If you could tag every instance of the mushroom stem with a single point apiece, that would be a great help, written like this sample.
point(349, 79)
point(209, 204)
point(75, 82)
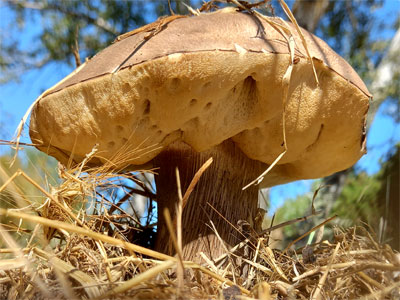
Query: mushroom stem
point(220, 186)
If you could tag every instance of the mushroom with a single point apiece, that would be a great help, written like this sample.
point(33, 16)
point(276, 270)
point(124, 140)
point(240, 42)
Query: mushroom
point(179, 92)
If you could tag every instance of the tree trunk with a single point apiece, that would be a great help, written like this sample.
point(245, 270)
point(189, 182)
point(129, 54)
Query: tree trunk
point(220, 186)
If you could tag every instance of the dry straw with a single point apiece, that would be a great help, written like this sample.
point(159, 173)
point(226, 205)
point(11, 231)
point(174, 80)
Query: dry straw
point(354, 265)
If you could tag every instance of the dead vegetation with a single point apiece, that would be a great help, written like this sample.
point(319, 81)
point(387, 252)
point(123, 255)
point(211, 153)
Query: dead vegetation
point(58, 250)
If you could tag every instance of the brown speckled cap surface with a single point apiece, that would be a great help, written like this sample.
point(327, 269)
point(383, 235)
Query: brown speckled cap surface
point(210, 32)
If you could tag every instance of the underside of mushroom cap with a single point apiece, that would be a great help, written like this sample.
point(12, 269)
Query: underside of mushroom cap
point(204, 80)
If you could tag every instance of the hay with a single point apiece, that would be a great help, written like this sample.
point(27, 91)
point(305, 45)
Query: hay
point(80, 259)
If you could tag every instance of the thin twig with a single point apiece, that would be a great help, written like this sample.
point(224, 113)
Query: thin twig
point(317, 292)
point(170, 227)
point(75, 47)
point(307, 233)
point(179, 208)
point(85, 232)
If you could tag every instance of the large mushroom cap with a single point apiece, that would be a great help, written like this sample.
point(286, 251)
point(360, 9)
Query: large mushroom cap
point(204, 80)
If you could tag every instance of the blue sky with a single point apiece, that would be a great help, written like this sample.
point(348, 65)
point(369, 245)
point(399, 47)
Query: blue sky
point(16, 97)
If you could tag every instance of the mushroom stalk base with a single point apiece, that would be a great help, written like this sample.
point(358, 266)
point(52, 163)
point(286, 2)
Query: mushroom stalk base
point(219, 187)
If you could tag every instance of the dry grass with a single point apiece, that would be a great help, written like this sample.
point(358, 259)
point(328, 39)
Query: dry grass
point(71, 254)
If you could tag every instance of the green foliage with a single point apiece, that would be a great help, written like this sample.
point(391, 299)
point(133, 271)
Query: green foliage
point(67, 26)
point(21, 194)
point(373, 200)
point(92, 25)
point(388, 200)
point(364, 199)
point(38, 166)
point(292, 209)
point(358, 200)
point(347, 26)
